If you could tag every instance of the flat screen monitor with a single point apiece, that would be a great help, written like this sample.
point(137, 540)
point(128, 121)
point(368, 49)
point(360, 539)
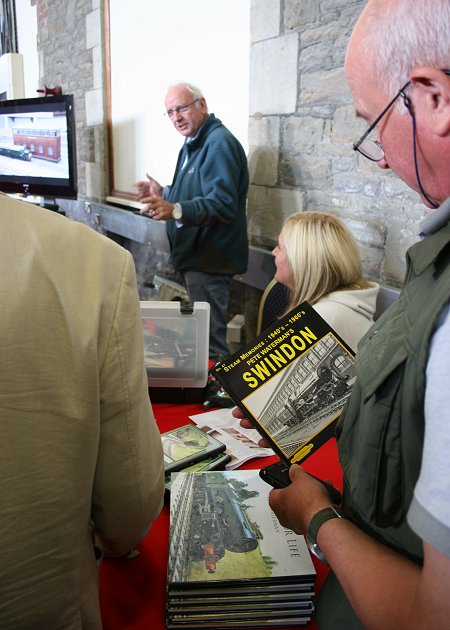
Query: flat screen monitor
point(38, 147)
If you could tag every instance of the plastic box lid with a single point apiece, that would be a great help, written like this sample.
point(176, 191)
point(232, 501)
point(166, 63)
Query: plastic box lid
point(176, 343)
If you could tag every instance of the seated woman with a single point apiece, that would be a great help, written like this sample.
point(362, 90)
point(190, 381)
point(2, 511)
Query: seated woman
point(318, 259)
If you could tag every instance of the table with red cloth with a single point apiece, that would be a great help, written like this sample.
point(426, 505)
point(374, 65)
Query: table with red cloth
point(133, 590)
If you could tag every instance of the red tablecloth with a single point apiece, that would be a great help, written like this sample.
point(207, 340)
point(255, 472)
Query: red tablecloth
point(132, 591)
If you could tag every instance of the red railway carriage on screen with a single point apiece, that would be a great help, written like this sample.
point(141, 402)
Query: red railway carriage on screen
point(43, 143)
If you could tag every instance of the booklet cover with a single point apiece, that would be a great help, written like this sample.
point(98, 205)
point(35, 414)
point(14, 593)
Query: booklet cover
point(222, 531)
point(187, 445)
point(241, 444)
point(291, 382)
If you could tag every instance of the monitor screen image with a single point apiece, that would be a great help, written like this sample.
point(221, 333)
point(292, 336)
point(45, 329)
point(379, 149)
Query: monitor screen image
point(38, 147)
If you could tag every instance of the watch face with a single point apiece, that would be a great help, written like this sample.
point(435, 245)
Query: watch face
point(176, 212)
point(316, 550)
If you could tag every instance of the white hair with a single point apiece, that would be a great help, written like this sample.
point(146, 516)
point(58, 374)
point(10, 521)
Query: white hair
point(196, 91)
point(193, 89)
point(403, 34)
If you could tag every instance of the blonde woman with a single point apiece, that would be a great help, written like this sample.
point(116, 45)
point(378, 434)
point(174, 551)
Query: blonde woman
point(318, 259)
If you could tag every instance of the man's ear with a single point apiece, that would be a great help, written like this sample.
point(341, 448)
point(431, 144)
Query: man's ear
point(434, 87)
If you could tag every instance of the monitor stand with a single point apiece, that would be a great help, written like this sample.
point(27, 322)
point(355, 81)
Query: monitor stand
point(50, 204)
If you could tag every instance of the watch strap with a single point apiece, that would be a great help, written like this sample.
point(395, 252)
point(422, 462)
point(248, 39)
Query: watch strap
point(321, 517)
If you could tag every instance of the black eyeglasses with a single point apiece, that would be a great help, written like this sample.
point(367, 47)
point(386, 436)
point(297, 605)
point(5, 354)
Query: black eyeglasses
point(372, 149)
point(181, 109)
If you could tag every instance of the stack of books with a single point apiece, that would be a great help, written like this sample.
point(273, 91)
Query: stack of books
point(231, 564)
point(190, 448)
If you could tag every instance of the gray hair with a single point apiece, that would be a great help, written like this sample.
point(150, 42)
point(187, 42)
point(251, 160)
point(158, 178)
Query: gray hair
point(193, 89)
point(196, 91)
point(403, 34)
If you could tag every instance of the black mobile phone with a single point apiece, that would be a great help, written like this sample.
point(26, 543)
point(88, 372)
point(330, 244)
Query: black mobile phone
point(277, 475)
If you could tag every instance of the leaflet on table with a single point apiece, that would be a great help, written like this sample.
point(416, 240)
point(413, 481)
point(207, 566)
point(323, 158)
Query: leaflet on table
point(241, 444)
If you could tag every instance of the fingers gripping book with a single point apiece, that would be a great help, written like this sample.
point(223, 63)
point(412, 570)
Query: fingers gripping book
point(291, 382)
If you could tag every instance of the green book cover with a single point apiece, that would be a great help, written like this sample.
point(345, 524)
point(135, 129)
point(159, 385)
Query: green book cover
point(222, 531)
point(187, 445)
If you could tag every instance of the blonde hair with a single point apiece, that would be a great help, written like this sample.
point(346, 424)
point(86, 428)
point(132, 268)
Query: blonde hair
point(322, 256)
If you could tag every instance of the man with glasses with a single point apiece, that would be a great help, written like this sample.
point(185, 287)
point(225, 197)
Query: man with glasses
point(388, 545)
point(204, 208)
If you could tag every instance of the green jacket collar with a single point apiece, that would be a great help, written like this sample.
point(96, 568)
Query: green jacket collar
point(435, 229)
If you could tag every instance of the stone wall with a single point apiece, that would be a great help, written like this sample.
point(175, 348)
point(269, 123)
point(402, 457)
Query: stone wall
point(301, 127)
point(70, 49)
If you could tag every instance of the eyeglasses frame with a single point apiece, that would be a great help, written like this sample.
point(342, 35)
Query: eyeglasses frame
point(407, 102)
point(372, 126)
point(181, 108)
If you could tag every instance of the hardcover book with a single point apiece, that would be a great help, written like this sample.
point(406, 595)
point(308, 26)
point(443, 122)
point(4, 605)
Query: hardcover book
point(187, 445)
point(291, 382)
point(230, 561)
point(274, 622)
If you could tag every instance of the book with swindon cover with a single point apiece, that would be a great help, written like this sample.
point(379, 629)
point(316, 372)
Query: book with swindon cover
point(291, 382)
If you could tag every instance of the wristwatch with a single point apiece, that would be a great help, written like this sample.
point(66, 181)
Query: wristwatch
point(177, 211)
point(321, 517)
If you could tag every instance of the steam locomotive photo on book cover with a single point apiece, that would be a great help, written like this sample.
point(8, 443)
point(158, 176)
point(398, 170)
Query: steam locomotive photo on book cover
point(222, 530)
point(230, 561)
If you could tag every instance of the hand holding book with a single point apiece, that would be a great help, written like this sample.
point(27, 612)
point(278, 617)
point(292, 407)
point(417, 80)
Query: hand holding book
point(291, 382)
point(246, 424)
point(277, 475)
point(296, 504)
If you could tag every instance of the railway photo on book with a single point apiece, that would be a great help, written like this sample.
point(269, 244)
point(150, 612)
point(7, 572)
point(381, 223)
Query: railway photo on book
point(227, 544)
point(306, 397)
point(221, 528)
point(292, 382)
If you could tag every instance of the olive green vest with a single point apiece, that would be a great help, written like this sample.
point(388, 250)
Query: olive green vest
point(380, 435)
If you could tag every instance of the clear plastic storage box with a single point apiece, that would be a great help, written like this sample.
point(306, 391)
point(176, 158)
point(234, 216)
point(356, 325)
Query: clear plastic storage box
point(176, 344)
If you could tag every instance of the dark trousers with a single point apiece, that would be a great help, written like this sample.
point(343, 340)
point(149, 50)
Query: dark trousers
point(214, 289)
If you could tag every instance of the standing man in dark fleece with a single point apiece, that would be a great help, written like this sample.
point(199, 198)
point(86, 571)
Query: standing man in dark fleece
point(205, 207)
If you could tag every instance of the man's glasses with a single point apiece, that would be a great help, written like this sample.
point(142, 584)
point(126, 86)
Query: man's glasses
point(372, 149)
point(181, 109)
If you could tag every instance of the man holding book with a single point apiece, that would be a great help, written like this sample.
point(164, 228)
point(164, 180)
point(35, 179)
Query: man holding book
point(388, 545)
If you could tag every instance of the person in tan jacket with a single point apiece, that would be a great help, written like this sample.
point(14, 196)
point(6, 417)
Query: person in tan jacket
point(80, 452)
